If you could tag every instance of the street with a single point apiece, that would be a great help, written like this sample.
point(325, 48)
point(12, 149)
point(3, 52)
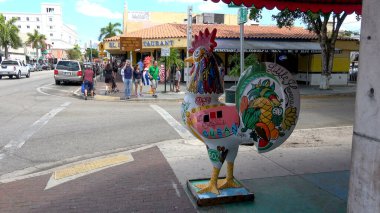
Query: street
point(43, 126)
point(86, 128)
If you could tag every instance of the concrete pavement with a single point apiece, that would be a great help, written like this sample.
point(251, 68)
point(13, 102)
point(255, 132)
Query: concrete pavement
point(106, 154)
point(313, 178)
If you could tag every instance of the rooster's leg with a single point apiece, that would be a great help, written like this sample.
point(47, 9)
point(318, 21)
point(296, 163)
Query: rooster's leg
point(228, 182)
point(212, 185)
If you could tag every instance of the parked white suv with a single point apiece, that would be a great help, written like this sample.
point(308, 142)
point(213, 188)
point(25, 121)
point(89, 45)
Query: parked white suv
point(15, 68)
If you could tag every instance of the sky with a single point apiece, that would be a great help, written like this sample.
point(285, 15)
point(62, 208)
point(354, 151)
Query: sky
point(88, 16)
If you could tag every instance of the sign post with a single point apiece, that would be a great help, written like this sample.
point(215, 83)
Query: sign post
point(189, 38)
point(242, 18)
point(165, 52)
point(130, 44)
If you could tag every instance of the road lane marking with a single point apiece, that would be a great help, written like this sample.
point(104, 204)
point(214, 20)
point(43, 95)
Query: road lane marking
point(46, 87)
point(60, 90)
point(181, 130)
point(87, 167)
point(176, 189)
point(15, 144)
point(40, 91)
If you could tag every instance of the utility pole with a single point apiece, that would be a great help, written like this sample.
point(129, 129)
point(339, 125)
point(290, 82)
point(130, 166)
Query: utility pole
point(90, 51)
point(189, 38)
point(364, 193)
point(165, 72)
point(242, 18)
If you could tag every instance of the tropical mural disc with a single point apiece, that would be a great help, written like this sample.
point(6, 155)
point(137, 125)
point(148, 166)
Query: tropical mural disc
point(268, 103)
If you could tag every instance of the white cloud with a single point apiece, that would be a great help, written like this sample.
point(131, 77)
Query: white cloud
point(209, 6)
point(90, 8)
point(350, 23)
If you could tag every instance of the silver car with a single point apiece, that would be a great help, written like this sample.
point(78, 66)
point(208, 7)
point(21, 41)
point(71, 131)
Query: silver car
point(32, 67)
point(68, 71)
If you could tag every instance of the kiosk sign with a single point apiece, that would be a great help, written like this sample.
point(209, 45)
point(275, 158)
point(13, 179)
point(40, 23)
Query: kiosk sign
point(130, 43)
point(165, 51)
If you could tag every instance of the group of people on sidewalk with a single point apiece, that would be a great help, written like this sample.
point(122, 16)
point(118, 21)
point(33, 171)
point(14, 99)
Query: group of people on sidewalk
point(139, 77)
point(135, 76)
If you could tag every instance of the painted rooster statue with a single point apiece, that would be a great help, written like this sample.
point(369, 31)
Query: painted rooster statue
point(265, 114)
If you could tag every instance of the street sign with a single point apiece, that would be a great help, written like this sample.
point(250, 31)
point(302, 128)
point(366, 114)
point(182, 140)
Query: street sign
point(242, 15)
point(130, 43)
point(101, 47)
point(165, 51)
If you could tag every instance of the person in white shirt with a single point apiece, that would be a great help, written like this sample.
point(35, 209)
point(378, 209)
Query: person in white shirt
point(177, 79)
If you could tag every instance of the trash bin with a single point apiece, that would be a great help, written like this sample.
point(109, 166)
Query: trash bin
point(230, 94)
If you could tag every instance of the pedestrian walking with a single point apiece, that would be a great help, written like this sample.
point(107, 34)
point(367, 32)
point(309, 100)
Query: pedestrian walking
point(153, 75)
point(128, 72)
point(137, 77)
point(141, 65)
point(177, 80)
point(222, 72)
point(122, 72)
point(108, 77)
point(88, 81)
point(145, 77)
point(114, 68)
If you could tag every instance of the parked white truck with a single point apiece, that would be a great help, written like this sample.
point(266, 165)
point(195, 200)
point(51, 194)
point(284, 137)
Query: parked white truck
point(15, 68)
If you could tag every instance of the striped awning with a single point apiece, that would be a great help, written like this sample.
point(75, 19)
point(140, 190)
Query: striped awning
point(255, 46)
point(325, 6)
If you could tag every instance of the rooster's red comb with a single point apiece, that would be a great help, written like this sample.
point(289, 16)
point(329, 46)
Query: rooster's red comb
point(205, 39)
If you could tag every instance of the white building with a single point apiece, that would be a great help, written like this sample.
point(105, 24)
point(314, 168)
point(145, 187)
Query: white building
point(48, 22)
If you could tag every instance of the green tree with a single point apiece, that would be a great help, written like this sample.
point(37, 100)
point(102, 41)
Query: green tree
point(74, 53)
point(173, 59)
point(9, 34)
point(348, 33)
point(112, 29)
point(234, 60)
point(95, 53)
point(317, 23)
point(37, 41)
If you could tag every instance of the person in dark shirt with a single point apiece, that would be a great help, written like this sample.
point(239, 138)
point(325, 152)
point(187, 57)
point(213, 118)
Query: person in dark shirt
point(128, 74)
point(137, 76)
point(108, 77)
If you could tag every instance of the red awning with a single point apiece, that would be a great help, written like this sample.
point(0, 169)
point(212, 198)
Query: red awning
point(325, 6)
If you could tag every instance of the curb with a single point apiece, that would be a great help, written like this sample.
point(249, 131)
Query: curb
point(115, 99)
point(106, 98)
point(350, 94)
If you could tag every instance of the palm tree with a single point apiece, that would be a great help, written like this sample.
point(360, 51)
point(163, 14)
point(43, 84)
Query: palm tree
point(37, 41)
point(9, 34)
point(109, 31)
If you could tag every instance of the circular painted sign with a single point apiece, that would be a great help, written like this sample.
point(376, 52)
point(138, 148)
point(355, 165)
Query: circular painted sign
point(268, 103)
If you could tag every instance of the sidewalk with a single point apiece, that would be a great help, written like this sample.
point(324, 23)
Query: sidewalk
point(305, 91)
point(310, 178)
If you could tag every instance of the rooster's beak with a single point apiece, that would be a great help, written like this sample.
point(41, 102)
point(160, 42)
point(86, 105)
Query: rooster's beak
point(189, 59)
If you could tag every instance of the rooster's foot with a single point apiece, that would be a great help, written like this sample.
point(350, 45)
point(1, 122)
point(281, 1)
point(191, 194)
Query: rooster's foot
point(204, 188)
point(228, 183)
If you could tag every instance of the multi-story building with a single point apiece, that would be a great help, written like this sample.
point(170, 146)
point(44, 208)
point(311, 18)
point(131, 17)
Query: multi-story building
point(138, 20)
point(49, 22)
